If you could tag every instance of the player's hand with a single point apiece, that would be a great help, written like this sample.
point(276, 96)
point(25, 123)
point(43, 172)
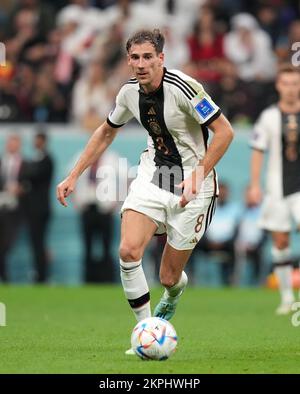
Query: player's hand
point(254, 194)
point(191, 186)
point(64, 189)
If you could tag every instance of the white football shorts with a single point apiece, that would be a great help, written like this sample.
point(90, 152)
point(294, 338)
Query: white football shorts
point(184, 226)
point(279, 214)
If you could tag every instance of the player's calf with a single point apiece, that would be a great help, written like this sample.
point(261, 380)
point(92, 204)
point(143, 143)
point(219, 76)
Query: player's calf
point(167, 306)
point(136, 288)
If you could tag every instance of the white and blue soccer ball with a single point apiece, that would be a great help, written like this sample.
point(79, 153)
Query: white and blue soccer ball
point(154, 339)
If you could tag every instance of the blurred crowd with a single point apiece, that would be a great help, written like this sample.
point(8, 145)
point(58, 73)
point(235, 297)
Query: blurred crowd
point(25, 199)
point(232, 240)
point(65, 62)
point(65, 59)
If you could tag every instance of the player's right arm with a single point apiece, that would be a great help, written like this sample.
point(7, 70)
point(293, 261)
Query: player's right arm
point(256, 164)
point(99, 141)
point(260, 143)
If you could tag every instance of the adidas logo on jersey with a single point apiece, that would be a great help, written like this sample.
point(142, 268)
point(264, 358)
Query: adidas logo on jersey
point(151, 111)
point(194, 241)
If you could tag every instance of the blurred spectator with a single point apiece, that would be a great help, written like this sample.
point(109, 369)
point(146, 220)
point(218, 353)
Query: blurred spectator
point(285, 41)
point(39, 173)
point(49, 105)
point(97, 214)
point(181, 13)
point(241, 100)
point(219, 239)
point(106, 47)
point(268, 20)
point(175, 48)
point(224, 9)
point(118, 77)
point(27, 44)
point(79, 24)
point(250, 49)
point(9, 110)
point(11, 198)
point(206, 48)
point(72, 34)
point(133, 16)
point(42, 13)
point(103, 4)
point(68, 21)
point(25, 80)
point(91, 103)
point(4, 9)
point(250, 241)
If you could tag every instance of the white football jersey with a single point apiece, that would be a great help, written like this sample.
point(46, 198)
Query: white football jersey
point(176, 116)
point(279, 134)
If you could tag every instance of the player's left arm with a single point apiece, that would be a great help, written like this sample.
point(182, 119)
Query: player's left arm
point(223, 135)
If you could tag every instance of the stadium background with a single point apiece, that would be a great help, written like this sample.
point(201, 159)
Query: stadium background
point(51, 47)
point(66, 251)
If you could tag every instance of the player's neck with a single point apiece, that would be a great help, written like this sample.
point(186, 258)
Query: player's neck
point(289, 107)
point(154, 85)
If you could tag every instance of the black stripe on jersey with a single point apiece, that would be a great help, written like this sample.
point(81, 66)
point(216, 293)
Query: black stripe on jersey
point(215, 184)
point(212, 210)
point(290, 153)
point(205, 135)
point(180, 86)
point(214, 117)
point(190, 96)
point(183, 82)
point(169, 171)
point(207, 222)
point(131, 81)
point(115, 126)
point(138, 302)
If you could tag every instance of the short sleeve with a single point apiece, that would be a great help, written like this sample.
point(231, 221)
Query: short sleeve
point(199, 104)
point(260, 136)
point(120, 114)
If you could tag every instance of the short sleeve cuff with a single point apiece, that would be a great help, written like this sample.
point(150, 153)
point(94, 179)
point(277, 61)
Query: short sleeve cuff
point(115, 126)
point(212, 118)
point(259, 149)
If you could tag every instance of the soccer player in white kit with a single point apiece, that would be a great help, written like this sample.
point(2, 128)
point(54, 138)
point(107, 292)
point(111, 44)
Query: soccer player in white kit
point(176, 185)
point(278, 132)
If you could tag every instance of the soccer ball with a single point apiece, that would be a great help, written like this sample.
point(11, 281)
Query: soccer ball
point(154, 339)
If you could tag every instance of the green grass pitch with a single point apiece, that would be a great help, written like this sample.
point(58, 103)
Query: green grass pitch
point(87, 330)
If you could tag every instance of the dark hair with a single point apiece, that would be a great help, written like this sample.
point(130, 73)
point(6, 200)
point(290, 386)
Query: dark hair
point(154, 37)
point(287, 68)
point(41, 135)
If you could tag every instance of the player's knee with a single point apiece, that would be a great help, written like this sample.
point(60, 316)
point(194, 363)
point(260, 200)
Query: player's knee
point(168, 280)
point(129, 252)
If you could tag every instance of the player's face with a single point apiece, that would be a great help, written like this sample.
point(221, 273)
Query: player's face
point(146, 64)
point(13, 144)
point(288, 86)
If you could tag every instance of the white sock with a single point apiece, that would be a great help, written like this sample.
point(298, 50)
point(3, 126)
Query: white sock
point(172, 294)
point(283, 271)
point(136, 288)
